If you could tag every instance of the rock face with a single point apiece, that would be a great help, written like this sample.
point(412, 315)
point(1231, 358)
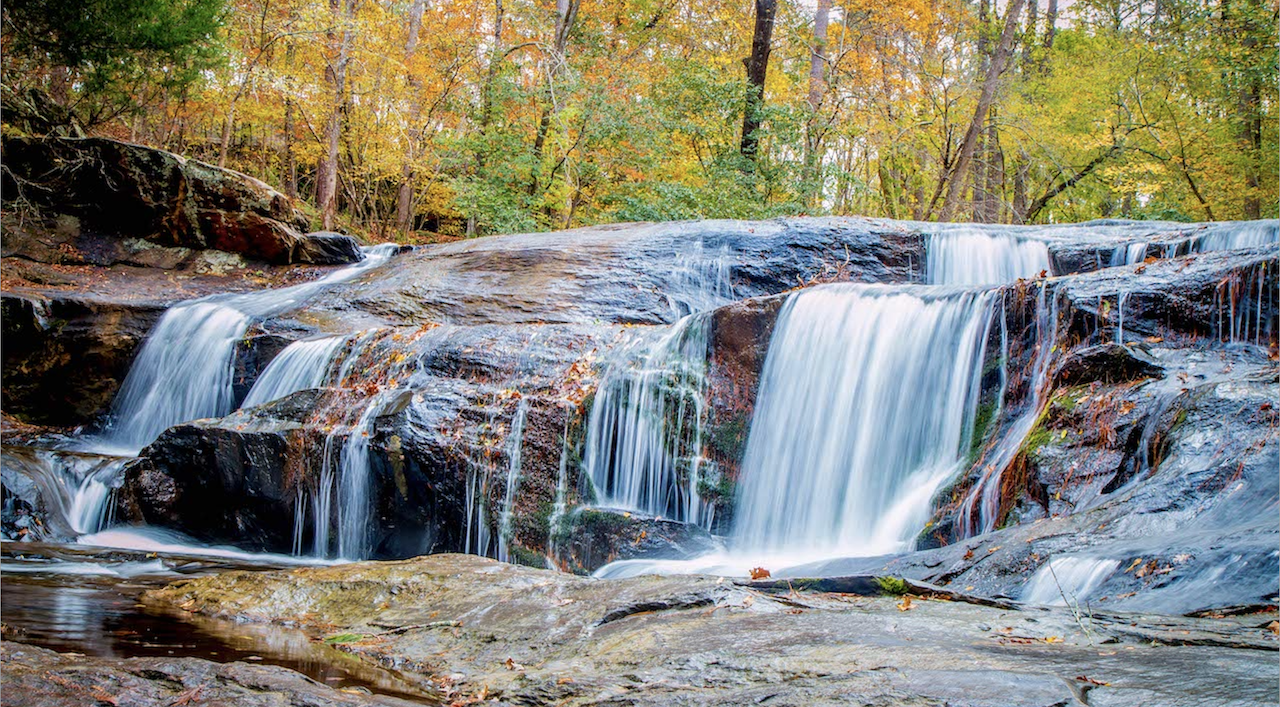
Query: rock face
point(460, 393)
point(526, 636)
point(90, 196)
point(47, 338)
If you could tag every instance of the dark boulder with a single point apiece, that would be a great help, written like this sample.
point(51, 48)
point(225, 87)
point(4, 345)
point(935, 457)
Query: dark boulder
point(1108, 363)
point(326, 248)
point(591, 538)
point(94, 188)
point(66, 356)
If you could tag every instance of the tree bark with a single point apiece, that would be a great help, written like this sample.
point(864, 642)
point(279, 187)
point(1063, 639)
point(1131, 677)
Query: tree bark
point(566, 14)
point(404, 197)
point(757, 66)
point(999, 61)
point(335, 76)
point(1038, 205)
point(1050, 24)
point(812, 177)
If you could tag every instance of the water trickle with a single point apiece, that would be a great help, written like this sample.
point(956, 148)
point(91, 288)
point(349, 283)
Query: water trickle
point(185, 367)
point(968, 256)
point(644, 432)
point(515, 440)
point(301, 365)
point(1130, 254)
point(1246, 306)
point(866, 402)
point(700, 279)
point(1067, 580)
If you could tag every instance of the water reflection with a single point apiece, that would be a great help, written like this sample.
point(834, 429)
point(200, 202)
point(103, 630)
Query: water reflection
point(91, 607)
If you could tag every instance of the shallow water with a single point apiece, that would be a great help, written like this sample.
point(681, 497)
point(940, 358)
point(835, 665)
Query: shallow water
point(88, 604)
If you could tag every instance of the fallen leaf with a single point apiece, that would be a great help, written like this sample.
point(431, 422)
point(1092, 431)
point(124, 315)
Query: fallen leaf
point(512, 665)
point(905, 604)
point(1091, 681)
point(760, 573)
point(968, 554)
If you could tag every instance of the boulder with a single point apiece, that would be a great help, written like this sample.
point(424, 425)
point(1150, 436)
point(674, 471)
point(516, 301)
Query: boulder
point(95, 189)
point(326, 248)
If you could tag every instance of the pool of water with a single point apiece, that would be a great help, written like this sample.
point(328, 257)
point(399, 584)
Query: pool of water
point(86, 603)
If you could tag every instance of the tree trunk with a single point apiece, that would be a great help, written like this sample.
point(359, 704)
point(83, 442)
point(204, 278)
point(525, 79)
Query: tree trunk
point(999, 61)
point(1050, 24)
point(335, 76)
point(566, 14)
point(812, 177)
point(978, 173)
point(757, 65)
point(404, 197)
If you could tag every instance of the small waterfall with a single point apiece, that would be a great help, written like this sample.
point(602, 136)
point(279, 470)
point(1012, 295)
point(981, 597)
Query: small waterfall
point(984, 497)
point(515, 440)
point(1245, 234)
point(1067, 580)
point(644, 432)
point(1121, 300)
point(75, 486)
point(562, 498)
point(1246, 306)
point(700, 279)
point(302, 365)
point(968, 256)
point(1130, 254)
point(184, 369)
point(865, 408)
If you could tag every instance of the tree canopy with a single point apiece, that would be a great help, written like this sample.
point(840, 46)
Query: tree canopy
point(423, 119)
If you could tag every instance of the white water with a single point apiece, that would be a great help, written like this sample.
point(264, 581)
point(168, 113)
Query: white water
point(968, 256)
point(1067, 580)
point(1229, 236)
point(185, 367)
point(1130, 254)
point(644, 432)
point(865, 408)
point(700, 279)
point(515, 443)
point(302, 365)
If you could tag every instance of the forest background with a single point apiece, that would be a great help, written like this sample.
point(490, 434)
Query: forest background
point(423, 120)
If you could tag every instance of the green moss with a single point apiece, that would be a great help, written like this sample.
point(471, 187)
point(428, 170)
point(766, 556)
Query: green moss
point(343, 638)
point(982, 422)
point(893, 586)
point(521, 555)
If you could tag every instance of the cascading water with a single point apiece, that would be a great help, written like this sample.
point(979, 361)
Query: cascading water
point(302, 365)
point(184, 369)
point(644, 432)
point(967, 256)
point(1130, 254)
point(1229, 236)
point(865, 407)
point(515, 444)
point(1067, 580)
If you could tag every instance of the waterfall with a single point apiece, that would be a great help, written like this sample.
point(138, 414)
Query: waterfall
point(1130, 254)
point(968, 256)
point(185, 367)
point(515, 440)
point(865, 408)
point(644, 431)
point(1245, 306)
point(1245, 234)
point(1067, 580)
point(302, 365)
point(700, 279)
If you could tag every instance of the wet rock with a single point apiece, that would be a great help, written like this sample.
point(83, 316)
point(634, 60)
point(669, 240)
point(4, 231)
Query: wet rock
point(526, 636)
point(594, 537)
point(1107, 363)
point(43, 678)
point(92, 190)
point(65, 356)
point(326, 248)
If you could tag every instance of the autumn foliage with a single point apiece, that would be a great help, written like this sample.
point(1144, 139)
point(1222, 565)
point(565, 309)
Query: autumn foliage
point(426, 120)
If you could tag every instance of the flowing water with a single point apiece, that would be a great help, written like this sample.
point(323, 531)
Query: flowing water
point(968, 256)
point(1067, 580)
point(302, 365)
point(515, 445)
point(644, 433)
point(184, 369)
point(866, 405)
